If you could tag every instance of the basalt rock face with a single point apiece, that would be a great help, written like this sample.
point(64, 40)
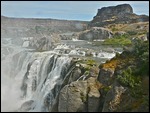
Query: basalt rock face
point(94, 33)
point(117, 95)
point(115, 10)
point(120, 14)
point(80, 96)
point(105, 76)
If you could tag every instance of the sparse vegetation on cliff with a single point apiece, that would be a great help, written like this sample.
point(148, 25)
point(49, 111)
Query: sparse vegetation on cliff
point(118, 40)
point(131, 70)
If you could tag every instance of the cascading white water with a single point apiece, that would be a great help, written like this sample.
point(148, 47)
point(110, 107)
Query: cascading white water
point(51, 80)
point(33, 79)
point(39, 74)
point(10, 85)
point(30, 78)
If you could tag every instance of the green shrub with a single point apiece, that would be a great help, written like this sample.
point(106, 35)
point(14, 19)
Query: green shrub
point(117, 55)
point(118, 40)
point(86, 73)
point(83, 97)
point(107, 88)
point(127, 78)
point(91, 62)
point(141, 52)
point(132, 32)
point(114, 29)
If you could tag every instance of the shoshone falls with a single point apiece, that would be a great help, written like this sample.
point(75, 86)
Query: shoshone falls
point(50, 65)
point(32, 80)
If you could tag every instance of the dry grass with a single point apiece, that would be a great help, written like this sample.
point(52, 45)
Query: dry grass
point(138, 27)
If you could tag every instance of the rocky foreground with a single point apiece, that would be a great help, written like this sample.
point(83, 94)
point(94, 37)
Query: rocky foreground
point(119, 85)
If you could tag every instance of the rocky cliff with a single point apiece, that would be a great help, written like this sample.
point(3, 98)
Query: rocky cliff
point(119, 85)
point(80, 85)
point(124, 78)
point(120, 14)
point(113, 20)
point(62, 83)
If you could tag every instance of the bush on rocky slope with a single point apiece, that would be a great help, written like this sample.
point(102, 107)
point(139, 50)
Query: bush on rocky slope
point(131, 80)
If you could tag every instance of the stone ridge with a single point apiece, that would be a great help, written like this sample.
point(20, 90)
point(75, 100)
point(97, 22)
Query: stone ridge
point(115, 10)
point(120, 14)
point(29, 27)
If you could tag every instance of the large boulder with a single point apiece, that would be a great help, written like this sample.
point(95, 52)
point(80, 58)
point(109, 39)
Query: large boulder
point(113, 99)
point(76, 73)
point(72, 97)
point(95, 33)
point(27, 106)
point(79, 96)
point(106, 76)
point(122, 99)
point(93, 96)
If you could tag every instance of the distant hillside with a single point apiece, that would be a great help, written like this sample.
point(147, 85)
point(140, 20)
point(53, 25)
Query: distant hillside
point(19, 27)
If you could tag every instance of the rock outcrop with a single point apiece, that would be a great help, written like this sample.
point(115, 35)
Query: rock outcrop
point(72, 97)
point(80, 89)
point(80, 96)
point(113, 99)
point(123, 89)
point(106, 76)
point(115, 10)
point(94, 33)
point(115, 89)
point(26, 106)
point(120, 14)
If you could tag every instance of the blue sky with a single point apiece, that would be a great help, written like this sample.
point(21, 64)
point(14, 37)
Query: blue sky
point(68, 10)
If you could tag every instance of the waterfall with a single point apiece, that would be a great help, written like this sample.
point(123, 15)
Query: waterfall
point(38, 74)
point(33, 79)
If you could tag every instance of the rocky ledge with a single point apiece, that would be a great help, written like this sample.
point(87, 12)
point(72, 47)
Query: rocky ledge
point(119, 85)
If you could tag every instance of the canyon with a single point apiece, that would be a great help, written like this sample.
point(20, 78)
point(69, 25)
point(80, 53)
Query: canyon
point(50, 65)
